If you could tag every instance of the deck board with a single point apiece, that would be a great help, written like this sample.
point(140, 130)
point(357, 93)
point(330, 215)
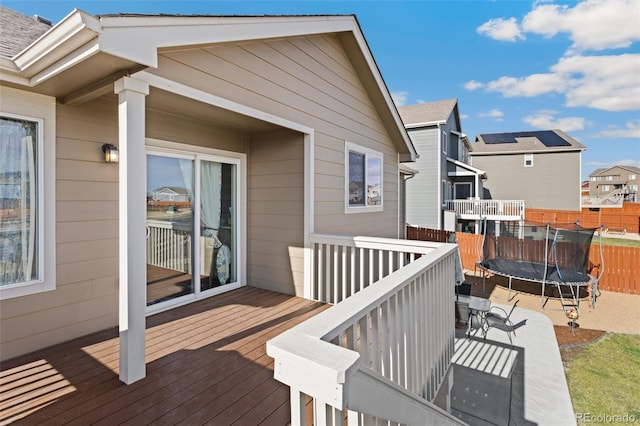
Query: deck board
point(206, 363)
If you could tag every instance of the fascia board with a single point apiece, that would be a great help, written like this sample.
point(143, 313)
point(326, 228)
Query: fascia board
point(138, 39)
point(426, 124)
point(472, 169)
point(524, 151)
point(10, 73)
point(412, 154)
point(74, 31)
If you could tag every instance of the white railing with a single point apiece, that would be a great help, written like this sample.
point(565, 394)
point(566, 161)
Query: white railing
point(609, 200)
point(477, 209)
point(168, 245)
point(383, 352)
point(342, 265)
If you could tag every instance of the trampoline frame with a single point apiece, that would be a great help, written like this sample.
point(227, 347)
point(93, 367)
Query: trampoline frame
point(592, 280)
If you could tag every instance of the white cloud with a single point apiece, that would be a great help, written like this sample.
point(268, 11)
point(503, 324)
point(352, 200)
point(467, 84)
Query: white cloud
point(473, 85)
point(464, 116)
point(632, 130)
point(501, 29)
point(591, 24)
point(494, 113)
point(399, 98)
point(607, 83)
point(545, 119)
point(530, 86)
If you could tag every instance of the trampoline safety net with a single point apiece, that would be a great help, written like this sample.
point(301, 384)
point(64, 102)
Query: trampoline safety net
point(538, 252)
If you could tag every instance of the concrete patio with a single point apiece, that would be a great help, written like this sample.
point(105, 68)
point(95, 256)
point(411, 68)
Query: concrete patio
point(520, 384)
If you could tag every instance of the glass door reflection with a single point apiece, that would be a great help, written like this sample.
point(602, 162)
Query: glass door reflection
point(170, 197)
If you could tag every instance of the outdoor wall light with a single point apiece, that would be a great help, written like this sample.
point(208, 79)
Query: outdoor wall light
point(111, 154)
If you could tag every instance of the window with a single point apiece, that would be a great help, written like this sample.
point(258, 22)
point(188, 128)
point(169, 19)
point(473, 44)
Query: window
point(609, 177)
point(21, 198)
point(363, 181)
point(27, 193)
point(634, 188)
point(528, 160)
point(445, 141)
point(605, 187)
point(632, 177)
point(593, 178)
point(444, 192)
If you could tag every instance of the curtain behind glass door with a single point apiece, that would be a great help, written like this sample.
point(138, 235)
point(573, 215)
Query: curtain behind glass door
point(217, 224)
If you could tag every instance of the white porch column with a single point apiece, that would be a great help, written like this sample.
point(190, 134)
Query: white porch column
point(132, 217)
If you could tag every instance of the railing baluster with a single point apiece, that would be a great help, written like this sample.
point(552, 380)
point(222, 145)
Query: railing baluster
point(336, 274)
point(343, 267)
point(318, 269)
point(403, 337)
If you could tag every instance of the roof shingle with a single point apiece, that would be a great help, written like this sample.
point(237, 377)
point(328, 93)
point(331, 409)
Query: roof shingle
point(17, 31)
point(427, 112)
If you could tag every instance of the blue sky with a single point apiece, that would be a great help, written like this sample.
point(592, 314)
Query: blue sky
point(513, 65)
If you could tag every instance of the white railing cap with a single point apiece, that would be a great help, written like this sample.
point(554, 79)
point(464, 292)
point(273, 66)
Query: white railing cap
point(396, 245)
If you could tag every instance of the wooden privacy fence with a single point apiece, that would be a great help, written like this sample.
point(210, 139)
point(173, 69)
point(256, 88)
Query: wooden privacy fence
point(621, 264)
point(426, 234)
point(626, 218)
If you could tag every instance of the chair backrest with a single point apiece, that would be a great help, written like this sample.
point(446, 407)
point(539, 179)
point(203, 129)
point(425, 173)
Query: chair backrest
point(512, 309)
point(462, 312)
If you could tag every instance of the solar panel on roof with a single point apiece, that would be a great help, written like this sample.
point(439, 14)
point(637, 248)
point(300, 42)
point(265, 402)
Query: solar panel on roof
point(548, 138)
point(497, 138)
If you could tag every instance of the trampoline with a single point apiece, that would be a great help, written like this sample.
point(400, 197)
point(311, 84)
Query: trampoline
point(556, 255)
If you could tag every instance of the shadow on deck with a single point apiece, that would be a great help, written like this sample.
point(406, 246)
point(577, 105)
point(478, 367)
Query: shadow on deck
point(206, 362)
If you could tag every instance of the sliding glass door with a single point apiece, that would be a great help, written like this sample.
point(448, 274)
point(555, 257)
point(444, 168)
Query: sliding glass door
point(191, 226)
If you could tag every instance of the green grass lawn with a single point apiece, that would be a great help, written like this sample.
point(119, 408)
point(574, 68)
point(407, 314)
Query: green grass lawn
point(608, 241)
point(603, 380)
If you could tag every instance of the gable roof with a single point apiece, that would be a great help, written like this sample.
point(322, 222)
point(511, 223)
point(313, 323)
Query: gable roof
point(17, 31)
point(428, 113)
point(526, 141)
point(83, 51)
point(604, 170)
point(173, 189)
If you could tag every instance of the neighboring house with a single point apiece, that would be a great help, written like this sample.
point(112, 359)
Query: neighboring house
point(615, 182)
point(170, 193)
point(444, 172)
point(584, 188)
point(540, 167)
point(281, 125)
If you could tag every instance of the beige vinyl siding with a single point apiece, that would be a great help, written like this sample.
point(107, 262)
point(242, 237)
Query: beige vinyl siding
point(423, 207)
point(169, 127)
point(309, 81)
point(86, 294)
point(86, 297)
point(552, 183)
point(275, 212)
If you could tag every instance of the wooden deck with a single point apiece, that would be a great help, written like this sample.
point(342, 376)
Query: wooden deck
point(206, 364)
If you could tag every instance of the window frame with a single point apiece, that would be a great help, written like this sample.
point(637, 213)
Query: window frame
point(368, 154)
point(45, 198)
point(445, 141)
point(528, 158)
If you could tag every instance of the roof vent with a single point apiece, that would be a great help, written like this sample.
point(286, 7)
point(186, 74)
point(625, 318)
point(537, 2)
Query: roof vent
point(42, 20)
